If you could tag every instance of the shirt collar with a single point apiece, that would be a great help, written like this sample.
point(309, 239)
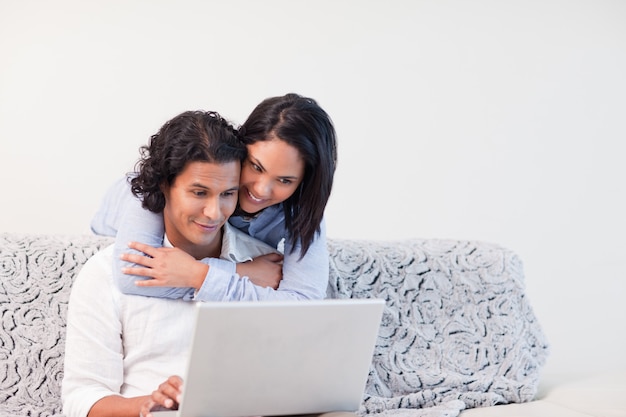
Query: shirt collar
point(237, 246)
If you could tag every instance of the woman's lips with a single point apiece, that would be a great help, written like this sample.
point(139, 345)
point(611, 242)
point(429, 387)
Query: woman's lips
point(254, 198)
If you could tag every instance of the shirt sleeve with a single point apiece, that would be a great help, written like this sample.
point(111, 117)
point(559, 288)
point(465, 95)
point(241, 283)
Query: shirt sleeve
point(138, 225)
point(303, 279)
point(106, 221)
point(93, 366)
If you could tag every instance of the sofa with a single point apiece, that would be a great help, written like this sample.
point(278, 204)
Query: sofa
point(458, 336)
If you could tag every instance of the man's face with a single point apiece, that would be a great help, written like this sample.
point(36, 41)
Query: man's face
point(198, 203)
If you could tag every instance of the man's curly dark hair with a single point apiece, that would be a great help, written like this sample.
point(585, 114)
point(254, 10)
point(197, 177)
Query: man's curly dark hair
point(191, 136)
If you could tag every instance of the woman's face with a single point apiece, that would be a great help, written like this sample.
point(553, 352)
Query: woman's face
point(270, 174)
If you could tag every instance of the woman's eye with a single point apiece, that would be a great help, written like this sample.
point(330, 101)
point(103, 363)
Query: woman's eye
point(285, 181)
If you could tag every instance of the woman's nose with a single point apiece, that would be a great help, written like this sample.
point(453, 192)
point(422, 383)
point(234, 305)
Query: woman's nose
point(262, 188)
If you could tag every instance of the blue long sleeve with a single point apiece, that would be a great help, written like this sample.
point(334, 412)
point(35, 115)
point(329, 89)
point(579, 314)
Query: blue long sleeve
point(122, 215)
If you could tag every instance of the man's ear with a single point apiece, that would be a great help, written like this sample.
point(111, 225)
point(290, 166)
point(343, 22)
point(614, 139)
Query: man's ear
point(165, 188)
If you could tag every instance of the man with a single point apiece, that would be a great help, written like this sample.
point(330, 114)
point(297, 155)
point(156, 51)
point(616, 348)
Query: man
point(120, 347)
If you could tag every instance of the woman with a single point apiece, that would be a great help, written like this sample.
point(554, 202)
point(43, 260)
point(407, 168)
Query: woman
point(285, 184)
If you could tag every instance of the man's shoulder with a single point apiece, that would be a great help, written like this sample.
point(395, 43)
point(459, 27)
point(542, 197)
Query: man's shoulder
point(95, 277)
point(103, 254)
point(100, 262)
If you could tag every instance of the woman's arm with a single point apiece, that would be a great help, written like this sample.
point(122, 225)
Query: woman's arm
point(122, 215)
point(303, 279)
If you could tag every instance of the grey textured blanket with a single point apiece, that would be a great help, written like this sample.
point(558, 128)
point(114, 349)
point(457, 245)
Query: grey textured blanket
point(458, 331)
point(36, 275)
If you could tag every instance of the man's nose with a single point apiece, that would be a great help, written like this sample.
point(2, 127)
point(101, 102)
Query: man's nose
point(211, 210)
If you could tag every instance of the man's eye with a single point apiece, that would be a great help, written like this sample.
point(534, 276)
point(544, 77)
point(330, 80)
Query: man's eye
point(199, 193)
point(229, 194)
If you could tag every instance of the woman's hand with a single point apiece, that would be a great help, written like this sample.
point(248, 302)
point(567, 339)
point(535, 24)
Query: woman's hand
point(264, 270)
point(168, 267)
point(166, 396)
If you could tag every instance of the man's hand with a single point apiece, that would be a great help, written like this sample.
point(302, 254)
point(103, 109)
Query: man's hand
point(167, 395)
point(168, 267)
point(264, 270)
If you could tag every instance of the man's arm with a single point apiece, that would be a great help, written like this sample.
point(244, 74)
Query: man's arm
point(166, 397)
point(117, 406)
point(93, 366)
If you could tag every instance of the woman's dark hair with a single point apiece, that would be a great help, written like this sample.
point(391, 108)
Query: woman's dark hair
point(303, 124)
point(191, 136)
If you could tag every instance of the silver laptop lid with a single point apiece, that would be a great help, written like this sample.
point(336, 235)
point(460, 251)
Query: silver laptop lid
point(279, 358)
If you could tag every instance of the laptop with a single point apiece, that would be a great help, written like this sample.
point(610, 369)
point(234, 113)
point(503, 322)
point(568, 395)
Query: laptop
point(273, 358)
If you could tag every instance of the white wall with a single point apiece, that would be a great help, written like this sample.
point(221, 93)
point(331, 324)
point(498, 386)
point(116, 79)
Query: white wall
point(493, 120)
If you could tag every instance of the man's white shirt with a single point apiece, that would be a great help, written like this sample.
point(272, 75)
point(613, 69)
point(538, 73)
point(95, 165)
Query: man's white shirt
point(127, 345)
